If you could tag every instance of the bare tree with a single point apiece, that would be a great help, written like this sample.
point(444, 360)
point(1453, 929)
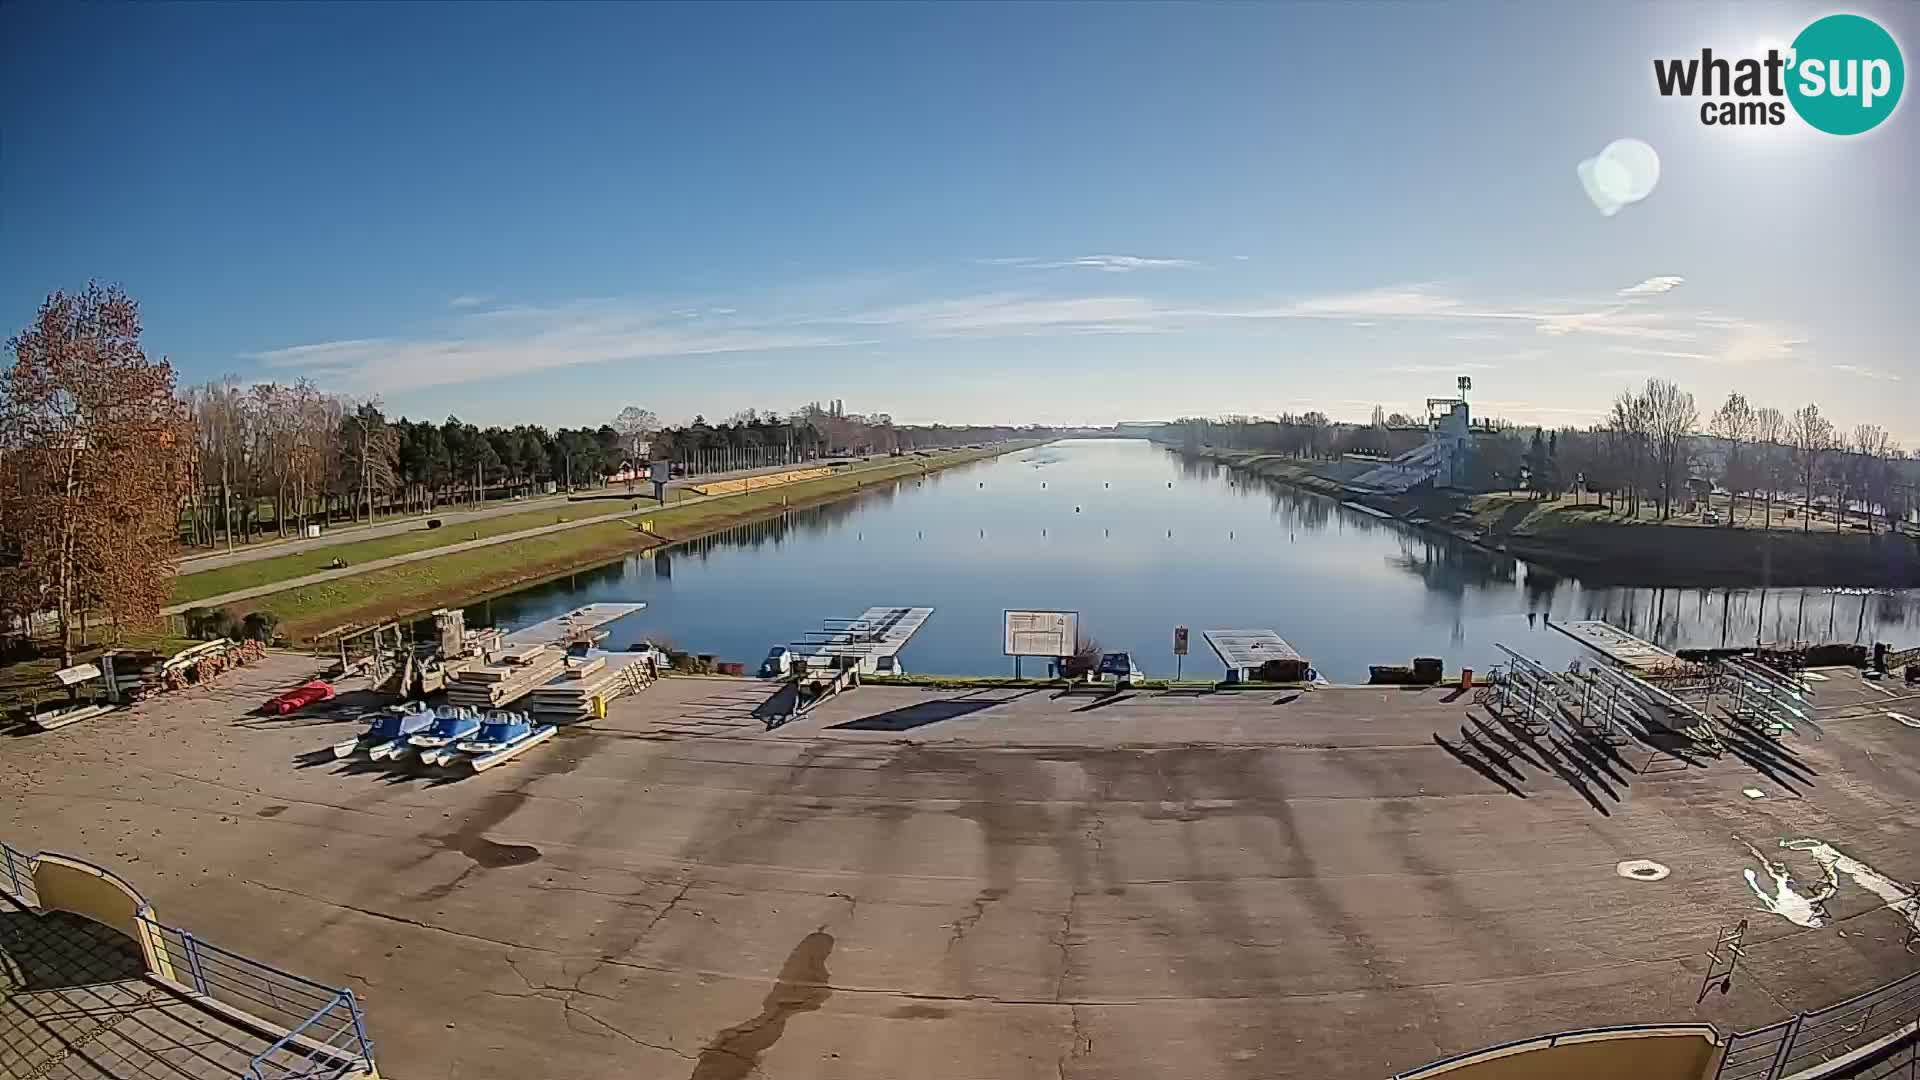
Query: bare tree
point(636, 427)
point(1734, 422)
point(1811, 436)
point(94, 443)
point(1672, 418)
point(1874, 468)
point(372, 451)
point(1630, 425)
point(1769, 427)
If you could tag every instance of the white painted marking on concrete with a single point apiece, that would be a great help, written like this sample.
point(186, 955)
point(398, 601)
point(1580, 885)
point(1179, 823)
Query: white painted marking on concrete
point(1808, 911)
point(1641, 870)
point(1815, 676)
point(1900, 898)
point(1905, 719)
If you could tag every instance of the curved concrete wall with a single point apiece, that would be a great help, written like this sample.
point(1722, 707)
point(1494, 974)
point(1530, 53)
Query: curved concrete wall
point(65, 884)
point(1681, 1052)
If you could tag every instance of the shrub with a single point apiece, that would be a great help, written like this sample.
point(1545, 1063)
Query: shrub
point(206, 624)
point(1084, 661)
point(260, 626)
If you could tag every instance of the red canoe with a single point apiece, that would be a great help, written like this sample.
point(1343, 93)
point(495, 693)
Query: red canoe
point(300, 697)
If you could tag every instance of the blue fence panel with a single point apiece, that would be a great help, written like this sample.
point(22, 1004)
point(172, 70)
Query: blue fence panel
point(326, 1033)
point(331, 1044)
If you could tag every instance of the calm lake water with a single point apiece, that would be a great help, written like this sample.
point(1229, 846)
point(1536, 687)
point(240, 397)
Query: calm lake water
point(1139, 541)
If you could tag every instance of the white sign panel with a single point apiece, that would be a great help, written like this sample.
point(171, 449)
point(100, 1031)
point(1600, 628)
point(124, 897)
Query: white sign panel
point(1042, 633)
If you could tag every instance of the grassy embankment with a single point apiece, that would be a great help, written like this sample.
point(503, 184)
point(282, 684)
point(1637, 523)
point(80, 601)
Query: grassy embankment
point(463, 576)
point(196, 586)
point(1600, 546)
point(1603, 546)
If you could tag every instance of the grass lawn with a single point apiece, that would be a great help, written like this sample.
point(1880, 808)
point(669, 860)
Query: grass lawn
point(21, 680)
point(264, 521)
point(465, 576)
point(1518, 512)
point(195, 586)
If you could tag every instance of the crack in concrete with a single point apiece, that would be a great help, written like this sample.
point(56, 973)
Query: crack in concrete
point(1079, 1043)
point(565, 995)
point(975, 911)
point(1066, 944)
point(663, 912)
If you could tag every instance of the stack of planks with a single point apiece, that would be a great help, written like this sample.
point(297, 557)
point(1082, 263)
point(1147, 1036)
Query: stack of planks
point(569, 695)
point(508, 677)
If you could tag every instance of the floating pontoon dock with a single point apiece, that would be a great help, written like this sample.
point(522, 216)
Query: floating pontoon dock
point(871, 643)
point(1617, 645)
point(581, 623)
point(1246, 651)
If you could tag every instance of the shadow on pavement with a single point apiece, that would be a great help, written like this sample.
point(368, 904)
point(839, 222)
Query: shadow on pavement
point(919, 715)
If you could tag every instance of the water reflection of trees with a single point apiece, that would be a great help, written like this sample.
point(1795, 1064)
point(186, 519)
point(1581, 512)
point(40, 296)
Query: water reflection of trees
point(775, 530)
point(1452, 567)
point(1740, 617)
point(1297, 509)
point(1195, 468)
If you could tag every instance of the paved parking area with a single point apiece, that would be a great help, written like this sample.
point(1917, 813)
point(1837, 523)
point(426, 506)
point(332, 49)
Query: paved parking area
point(954, 884)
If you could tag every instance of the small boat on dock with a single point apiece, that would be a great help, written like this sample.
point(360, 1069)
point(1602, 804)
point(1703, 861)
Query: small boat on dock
point(385, 731)
point(451, 724)
point(503, 736)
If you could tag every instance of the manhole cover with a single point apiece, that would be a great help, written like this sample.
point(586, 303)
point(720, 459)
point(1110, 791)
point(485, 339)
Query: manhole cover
point(1641, 870)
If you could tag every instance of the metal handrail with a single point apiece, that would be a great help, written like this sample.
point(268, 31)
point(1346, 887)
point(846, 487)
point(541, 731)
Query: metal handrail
point(214, 972)
point(1790, 1043)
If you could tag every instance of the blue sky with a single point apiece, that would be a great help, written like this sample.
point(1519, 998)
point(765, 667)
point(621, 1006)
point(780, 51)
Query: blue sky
point(1063, 213)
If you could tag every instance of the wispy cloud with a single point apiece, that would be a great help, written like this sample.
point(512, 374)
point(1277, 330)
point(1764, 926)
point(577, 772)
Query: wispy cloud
point(1663, 354)
point(1009, 311)
point(1112, 264)
point(468, 300)
point(486, 340)
point(1866, 372)
point(1755, 344)
point(1654, 286)
point(1455, 368)
point(521, 340)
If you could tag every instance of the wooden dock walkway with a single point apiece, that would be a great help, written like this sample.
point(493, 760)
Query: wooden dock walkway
point(1617, 645)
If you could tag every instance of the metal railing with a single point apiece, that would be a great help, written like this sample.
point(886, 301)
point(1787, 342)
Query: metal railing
point(326, 1035)
point(1813, 1038)
point(16, 875)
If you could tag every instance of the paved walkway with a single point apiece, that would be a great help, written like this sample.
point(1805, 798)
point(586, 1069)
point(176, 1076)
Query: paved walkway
point(626, 511)
point(353, 534)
